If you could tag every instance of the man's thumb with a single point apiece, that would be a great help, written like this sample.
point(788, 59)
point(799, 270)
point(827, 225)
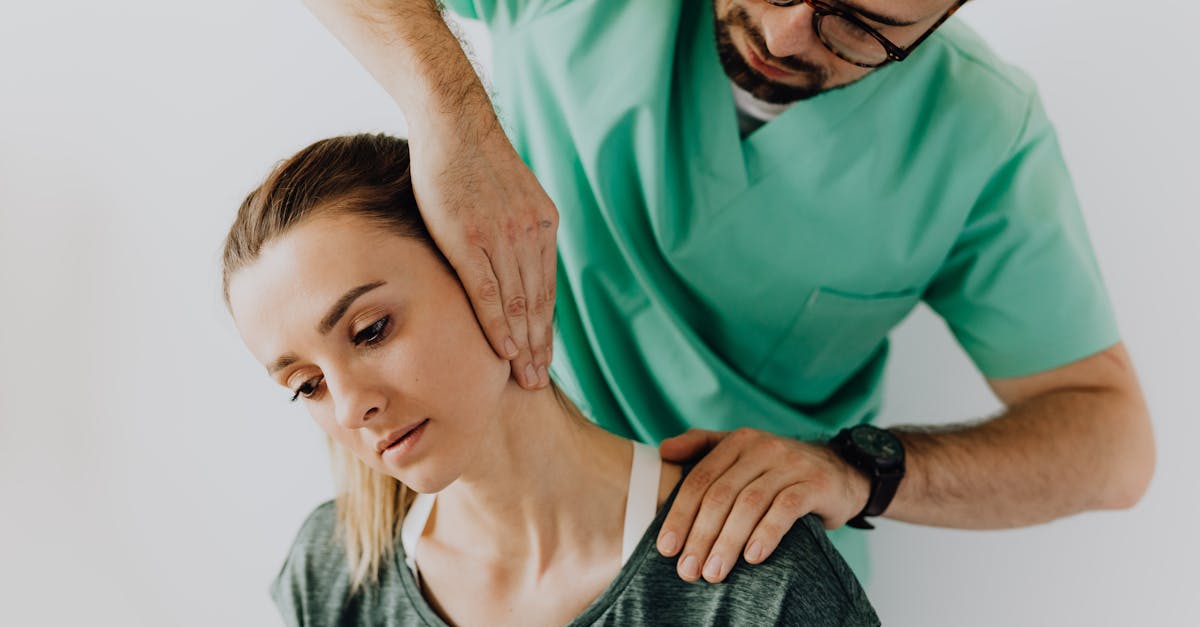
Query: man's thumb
point(690, 445)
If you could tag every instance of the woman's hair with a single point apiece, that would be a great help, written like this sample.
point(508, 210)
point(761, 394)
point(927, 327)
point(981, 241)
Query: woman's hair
point(363, 175)
point(366, 176)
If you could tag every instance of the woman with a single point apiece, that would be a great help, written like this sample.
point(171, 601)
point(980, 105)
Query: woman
point(463, 498)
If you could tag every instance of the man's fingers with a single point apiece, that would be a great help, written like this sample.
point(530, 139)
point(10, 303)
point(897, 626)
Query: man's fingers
point(536, 309)
point(690, 445)
point(712, 519)
point(748, 509)
point(541, 321)
point(516, 308)
point(691, 493)
point(480, 282)
point(789, 506)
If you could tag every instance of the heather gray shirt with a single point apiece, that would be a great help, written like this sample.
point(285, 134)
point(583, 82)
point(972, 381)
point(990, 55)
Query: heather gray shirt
point(804, 582)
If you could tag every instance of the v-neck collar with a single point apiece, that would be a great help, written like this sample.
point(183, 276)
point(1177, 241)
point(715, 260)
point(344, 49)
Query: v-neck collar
point(803, 132)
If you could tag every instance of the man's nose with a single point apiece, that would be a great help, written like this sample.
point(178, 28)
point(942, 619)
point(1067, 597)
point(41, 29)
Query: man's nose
point(788, 31)
point(355, 399)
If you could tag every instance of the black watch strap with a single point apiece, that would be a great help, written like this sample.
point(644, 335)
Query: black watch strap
point(884, 473)
point(882, 493)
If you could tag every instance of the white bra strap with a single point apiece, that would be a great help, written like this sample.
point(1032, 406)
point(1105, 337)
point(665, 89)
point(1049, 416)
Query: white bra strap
point(642, 503)
point(414, 526)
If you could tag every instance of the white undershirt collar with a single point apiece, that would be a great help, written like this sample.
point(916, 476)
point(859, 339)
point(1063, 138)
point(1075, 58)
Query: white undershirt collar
point(754, 107)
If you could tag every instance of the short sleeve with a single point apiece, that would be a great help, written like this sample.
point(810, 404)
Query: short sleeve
point(289, 603)
point(313, 585)
point(1020, 289)
point(501, 13)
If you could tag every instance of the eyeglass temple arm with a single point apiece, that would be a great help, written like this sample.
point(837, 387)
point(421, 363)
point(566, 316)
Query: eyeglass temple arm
point(929, 32)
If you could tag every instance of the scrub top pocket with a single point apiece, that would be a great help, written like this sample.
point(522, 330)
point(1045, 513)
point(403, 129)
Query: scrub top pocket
point(833, 337)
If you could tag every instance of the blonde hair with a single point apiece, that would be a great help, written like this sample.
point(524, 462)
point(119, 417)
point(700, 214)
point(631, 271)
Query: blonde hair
point(370, 509)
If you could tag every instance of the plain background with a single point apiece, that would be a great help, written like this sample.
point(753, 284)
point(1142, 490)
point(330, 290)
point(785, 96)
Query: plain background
point(151, 475)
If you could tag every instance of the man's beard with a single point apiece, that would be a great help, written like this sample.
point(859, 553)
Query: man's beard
point(748, 78)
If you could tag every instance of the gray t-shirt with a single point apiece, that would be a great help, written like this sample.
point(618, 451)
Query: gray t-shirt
point(804, 582)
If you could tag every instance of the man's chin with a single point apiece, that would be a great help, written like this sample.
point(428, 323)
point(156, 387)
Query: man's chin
point(775, 93)
point(765, 90)
point(762, 88)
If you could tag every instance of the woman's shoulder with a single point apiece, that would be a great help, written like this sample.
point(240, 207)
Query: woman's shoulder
point(316, 546)
point(809, 579)
point(313, 587)
point(314, 580)
point(805, 581)
point(813, 569)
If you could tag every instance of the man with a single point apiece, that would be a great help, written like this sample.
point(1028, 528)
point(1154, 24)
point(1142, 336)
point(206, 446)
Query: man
point(752, 194)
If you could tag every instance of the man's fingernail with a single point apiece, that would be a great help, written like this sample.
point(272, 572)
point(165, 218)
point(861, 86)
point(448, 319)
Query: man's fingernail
point(754, 552)
point(690, 568)
point(712, 569)
point(543, 376)
point(667, 544)
point(510, 347)
point(530, 375)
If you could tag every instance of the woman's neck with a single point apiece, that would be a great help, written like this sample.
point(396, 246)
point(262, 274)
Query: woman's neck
point(547, 485)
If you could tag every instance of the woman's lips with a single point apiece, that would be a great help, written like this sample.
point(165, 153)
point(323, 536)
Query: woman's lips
point(398, 447)
point(395, 437)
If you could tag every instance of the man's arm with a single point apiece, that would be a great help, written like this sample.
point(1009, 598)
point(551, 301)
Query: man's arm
point(484, 208)
point(1073, 439)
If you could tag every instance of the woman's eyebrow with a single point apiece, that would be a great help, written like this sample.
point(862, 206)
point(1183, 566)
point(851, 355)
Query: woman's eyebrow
point(282, 362)
point(875, 17)
point(338, 309)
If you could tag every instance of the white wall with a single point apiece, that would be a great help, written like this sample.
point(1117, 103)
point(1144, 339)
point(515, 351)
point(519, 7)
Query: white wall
point(150, 475)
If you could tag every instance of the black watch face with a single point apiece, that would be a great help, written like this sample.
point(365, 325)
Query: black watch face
point(877, 443)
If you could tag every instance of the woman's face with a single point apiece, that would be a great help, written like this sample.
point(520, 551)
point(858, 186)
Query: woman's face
point(378, 338)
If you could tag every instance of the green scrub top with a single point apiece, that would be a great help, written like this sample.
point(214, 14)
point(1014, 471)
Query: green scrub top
point(711, 281)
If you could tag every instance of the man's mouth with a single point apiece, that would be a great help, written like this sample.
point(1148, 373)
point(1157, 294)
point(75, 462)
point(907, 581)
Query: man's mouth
point(763, 67)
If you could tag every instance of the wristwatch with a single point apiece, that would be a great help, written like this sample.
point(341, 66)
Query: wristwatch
point(879, 455)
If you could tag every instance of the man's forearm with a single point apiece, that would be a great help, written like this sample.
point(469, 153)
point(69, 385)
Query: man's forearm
point(1076, 437)
point(1054, 455)
point(407, 46)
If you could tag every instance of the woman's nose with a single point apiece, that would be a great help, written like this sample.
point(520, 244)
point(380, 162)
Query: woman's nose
point(355, 400)
point(788, 31)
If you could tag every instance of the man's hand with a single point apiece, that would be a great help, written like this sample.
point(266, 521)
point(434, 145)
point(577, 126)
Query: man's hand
point(746, 493)
point(484, 208)
point(495, 224)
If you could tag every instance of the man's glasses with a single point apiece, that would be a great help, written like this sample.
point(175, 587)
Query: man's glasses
point(847, 36)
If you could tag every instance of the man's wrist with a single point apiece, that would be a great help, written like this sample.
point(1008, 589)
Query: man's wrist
point(472, 128)
point(877, 456)
point(860, 487)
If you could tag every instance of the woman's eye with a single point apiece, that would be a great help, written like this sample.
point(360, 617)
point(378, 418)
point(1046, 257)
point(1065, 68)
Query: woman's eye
point(373, 334)
point(307, 388)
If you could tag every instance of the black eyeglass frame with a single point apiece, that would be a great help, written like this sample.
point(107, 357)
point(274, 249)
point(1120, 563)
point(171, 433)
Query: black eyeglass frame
point(894, 52)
